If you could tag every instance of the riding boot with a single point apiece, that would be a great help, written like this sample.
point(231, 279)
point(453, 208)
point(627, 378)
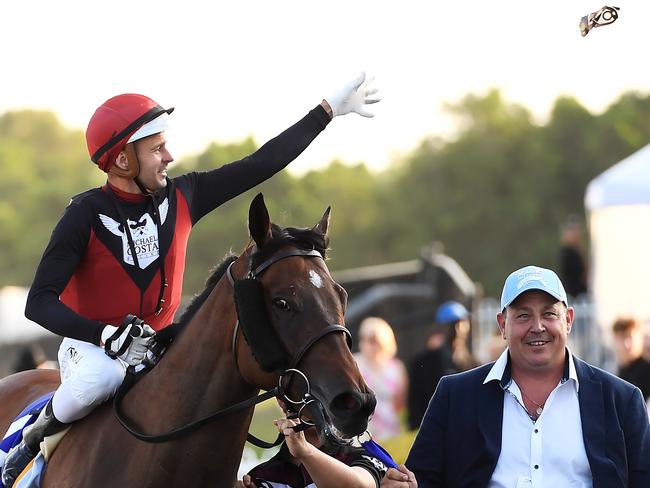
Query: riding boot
point(20, 455)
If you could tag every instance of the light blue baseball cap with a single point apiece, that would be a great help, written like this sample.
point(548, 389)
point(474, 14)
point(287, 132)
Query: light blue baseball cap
point(532, 278)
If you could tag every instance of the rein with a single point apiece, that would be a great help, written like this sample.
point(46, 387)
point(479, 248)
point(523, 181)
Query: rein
point(279, 390)
point(185, 429)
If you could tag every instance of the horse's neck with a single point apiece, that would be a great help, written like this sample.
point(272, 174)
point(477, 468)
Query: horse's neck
point(196, 377)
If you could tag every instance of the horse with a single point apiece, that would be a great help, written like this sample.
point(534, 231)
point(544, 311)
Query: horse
point(274, 316)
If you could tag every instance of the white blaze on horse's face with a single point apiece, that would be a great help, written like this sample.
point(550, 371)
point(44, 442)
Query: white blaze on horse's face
point(315, 279)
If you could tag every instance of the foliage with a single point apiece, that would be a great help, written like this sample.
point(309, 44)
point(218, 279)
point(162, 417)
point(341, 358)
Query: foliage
point(494, 196)
point(43, 165)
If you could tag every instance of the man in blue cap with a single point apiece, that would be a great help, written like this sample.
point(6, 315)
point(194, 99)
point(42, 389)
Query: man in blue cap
point(446, 352)
point(538, 416)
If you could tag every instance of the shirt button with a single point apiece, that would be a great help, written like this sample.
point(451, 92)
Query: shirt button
point(536, 431)
point(536, 466)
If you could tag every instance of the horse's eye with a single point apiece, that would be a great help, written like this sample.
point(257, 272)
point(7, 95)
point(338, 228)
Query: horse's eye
point(281, 304)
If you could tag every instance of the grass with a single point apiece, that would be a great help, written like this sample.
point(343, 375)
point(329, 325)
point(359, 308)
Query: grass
point(399, 446)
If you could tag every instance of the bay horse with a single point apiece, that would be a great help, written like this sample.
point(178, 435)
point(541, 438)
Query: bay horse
point(211, 365)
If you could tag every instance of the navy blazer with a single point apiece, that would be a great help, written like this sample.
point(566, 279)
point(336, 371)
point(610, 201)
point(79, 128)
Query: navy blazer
point(459, 440)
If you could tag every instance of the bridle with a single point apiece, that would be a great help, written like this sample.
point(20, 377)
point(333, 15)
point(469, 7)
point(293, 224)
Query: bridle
point(260, 338)
point(295, 406)
point(253, 275)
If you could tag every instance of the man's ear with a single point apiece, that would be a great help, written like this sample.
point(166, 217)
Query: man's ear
point(501, 320)
point(126, 163)
point(122, 161)
point(569, 319)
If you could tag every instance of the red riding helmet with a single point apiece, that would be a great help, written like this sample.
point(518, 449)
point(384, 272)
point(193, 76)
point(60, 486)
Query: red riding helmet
point(114, 122)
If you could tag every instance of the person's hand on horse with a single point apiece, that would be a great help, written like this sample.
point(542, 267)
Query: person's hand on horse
point(354, 97)
point(246, 482)
point(140, 337)
point(296, 441)
point(401, 477)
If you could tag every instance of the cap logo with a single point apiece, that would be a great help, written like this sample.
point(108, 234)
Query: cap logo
point(530, 278)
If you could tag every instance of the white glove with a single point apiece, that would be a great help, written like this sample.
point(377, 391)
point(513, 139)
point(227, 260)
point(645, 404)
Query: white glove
point(353, 97)
point(141, 337)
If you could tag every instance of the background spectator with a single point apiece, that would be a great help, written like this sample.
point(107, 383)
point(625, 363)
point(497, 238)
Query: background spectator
point(446, 353)
point(573, 270)
point(384, 373)
point(629, 345)
point(32, 357)
point(25, 360)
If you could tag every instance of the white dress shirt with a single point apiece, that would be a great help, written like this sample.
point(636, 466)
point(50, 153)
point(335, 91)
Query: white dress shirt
point(548, 452)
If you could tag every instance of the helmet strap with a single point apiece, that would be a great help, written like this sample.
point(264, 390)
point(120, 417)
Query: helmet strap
point(141, 186)
point(134, 163)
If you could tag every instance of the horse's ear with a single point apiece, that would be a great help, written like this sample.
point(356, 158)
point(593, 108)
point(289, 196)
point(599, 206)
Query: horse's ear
point(259, 222)
point(324, 223)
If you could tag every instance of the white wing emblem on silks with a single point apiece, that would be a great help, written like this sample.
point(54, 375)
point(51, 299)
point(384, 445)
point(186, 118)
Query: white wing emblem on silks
point(111, 225)
point(144, 233)
point(163, 209)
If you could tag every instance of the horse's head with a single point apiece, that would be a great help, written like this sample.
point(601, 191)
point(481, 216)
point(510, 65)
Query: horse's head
point(291, 313)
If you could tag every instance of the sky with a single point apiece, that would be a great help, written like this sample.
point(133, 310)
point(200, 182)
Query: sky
point(252, 68)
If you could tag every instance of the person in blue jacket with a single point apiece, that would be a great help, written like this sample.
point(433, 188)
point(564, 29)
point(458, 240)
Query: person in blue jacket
point(538, 416)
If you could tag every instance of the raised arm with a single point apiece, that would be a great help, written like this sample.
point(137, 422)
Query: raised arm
point(215, 187)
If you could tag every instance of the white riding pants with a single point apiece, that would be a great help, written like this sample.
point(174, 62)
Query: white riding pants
point(88, 377)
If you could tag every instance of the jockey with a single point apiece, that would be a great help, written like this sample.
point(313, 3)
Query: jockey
point(120, 249)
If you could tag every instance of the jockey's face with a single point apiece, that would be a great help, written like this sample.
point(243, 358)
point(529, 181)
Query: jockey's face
point(153, 157)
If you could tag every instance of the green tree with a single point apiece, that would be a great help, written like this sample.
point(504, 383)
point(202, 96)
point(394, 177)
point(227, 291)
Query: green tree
point(495, 195)
point(43, 165)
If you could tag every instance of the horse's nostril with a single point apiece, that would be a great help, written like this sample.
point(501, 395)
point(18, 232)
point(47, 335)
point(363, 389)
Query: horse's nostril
point(350, 411)
point(346, 402)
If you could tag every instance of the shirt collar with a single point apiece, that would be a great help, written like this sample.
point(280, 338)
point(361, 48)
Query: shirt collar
point(126, 196)
point(500, 370)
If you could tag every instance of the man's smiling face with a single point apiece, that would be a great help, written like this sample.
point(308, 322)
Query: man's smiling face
point(154, 157)
point(536, 327)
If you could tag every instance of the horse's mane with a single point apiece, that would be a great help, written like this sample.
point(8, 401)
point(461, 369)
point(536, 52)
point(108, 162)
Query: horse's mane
point(300, 238)
point(280, 237)
point(210, 283)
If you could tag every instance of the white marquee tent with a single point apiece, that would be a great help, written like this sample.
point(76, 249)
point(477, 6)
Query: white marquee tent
point(618, 211)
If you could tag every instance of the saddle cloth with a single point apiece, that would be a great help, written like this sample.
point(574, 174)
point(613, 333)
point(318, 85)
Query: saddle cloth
point(31, 476)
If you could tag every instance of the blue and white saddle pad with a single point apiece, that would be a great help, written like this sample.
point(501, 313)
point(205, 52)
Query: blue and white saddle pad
point(15, 434)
